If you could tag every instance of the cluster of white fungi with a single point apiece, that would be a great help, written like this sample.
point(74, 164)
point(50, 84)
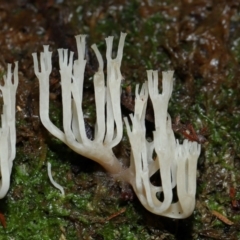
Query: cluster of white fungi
point(176, 163)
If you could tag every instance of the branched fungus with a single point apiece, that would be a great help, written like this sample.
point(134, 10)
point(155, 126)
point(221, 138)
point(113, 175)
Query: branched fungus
point(8, 128)
point(176, 163)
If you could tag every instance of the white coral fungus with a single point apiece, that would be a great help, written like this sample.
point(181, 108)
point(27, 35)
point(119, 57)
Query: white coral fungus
point(175, 163)
point(8, 129)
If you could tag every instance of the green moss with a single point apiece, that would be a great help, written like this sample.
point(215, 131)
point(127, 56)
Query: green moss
point(55, 114)
point(124, 232)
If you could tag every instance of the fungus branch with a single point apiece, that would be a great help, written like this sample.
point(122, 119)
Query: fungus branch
point(108, 128)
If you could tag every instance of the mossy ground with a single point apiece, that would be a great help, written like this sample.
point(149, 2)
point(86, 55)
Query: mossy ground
point(200, 41)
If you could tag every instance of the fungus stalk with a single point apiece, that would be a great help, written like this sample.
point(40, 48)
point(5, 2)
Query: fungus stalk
point(54, 183)
point(175, 163)
point(8, 128)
